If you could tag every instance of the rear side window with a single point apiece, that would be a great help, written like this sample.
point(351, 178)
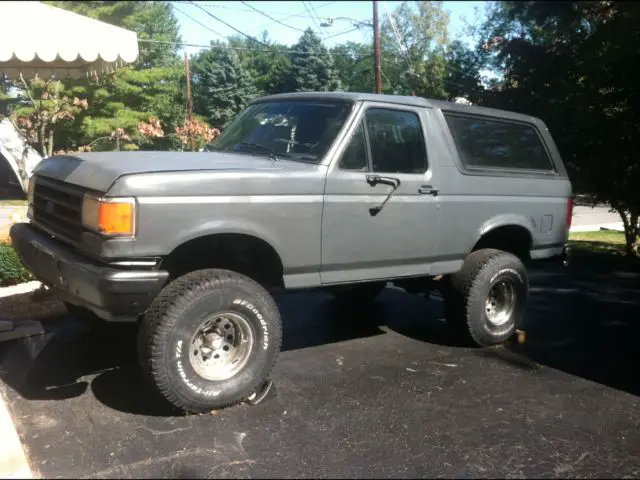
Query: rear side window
point(485, 143)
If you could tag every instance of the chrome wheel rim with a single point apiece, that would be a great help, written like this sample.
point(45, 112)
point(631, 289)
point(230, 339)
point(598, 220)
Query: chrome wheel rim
point(500, 303)
point(221, 346)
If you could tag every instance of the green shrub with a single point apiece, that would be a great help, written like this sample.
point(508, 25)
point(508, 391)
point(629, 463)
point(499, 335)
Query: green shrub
point(12, 271)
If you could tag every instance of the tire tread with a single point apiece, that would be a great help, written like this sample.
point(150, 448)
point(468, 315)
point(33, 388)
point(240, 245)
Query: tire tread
point(164, 312)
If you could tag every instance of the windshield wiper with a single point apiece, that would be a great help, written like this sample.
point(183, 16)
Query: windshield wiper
point(275, 156)
point(257, 146)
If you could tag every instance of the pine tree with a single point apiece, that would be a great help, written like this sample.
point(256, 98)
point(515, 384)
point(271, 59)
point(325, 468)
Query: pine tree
point(313, 70)
point(222, 87)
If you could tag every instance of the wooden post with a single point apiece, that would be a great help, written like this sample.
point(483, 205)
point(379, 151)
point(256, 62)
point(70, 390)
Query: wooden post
point(376, 46)
point(189, 100)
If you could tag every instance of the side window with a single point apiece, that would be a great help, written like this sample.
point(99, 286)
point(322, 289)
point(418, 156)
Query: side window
point(354, 157)
point(397, 141)
point(485, 143)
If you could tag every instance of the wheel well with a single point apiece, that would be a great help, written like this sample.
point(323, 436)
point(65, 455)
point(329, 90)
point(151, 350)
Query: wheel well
point(240, 253)
point(508, 238)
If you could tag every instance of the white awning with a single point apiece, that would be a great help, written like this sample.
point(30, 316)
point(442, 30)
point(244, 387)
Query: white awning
point(39, 39)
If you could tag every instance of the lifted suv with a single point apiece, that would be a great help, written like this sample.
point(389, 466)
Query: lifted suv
point(342, 191)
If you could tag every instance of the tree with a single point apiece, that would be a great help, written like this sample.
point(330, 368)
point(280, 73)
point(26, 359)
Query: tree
point(312, 67)
point(568, 64)
point(267, 63)
point(413, 40)
point(221, 85)
point(354, 63)
point(45, 107)
point(462, 73)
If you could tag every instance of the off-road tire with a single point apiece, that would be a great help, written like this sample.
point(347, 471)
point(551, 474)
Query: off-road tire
point(465, 294)
point(169, 324)
point(357, 293)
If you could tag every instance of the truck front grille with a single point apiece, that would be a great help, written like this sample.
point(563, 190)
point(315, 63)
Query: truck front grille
point(57, 206)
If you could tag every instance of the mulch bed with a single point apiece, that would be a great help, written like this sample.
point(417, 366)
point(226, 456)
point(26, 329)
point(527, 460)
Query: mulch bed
point(40, 305)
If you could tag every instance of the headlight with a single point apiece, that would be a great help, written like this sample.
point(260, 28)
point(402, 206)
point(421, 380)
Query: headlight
point(109, 216)
point(30, 188)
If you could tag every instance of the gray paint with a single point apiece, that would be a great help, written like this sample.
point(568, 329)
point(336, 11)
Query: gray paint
point(317, 217)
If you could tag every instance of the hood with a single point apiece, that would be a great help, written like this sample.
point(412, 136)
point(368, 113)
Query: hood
point(99, 170)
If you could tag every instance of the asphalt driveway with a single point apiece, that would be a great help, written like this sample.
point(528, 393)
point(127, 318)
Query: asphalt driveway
point(376, 393)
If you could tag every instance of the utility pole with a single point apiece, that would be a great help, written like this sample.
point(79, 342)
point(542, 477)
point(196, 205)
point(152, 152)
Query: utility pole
point(376, 46)
point(189, 101)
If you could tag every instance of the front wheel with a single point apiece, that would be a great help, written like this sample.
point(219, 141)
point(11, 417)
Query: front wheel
point(486, 300)
point(210, 340)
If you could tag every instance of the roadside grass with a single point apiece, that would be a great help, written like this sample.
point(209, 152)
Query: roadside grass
point(601, 242)
point(13, 203)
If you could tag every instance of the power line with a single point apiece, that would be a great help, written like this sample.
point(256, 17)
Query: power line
point(314, 11)
point(342, 33)
point(270, 17)
point(199, 22)
point(295, 15)
point(315, 22)
point(248, 49)
point(230, 26)
point(240, 9)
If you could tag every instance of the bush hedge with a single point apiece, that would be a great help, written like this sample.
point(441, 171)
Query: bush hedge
point(12, 271)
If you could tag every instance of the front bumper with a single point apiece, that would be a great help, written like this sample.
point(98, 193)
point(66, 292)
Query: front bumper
point(111, 293)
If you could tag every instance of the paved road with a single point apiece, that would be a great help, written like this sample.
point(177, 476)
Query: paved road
point(584, 216)
point(376, 392)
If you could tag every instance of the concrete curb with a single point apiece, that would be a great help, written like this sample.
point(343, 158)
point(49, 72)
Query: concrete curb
point(13, 460)
point(21, 288)
point(618, 227)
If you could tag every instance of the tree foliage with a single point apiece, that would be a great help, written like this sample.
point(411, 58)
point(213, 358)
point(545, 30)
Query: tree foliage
point(312, 67)
point(413, 43)
point(568, 63)
point(222, 86)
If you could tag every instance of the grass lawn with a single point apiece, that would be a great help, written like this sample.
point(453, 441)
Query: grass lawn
point(598, 242)
point(13, 203)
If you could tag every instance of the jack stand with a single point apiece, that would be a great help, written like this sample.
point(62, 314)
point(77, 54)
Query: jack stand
point(267, 390)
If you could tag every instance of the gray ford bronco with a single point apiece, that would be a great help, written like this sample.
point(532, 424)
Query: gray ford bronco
point(340, 191)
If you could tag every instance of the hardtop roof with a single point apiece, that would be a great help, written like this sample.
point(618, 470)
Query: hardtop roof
point(402, 100)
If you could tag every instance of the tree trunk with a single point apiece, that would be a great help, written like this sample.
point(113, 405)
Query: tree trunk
point(631, 231)
point(50, 145)
point(42, 137)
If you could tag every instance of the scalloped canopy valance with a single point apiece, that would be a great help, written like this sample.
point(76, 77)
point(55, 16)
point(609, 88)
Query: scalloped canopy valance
point(37, 39)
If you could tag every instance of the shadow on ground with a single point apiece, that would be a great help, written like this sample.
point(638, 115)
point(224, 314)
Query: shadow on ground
point(584, 321)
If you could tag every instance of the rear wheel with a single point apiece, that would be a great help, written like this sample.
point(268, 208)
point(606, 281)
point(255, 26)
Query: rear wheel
point(486, 300)
point(210, 340)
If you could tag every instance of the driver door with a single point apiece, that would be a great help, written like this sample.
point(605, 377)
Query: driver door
point(368, 234)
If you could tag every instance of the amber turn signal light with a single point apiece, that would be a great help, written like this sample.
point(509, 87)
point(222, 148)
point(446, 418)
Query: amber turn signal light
point(109, 216)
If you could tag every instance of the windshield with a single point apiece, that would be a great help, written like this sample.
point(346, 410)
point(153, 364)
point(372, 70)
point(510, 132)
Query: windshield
point(293, 129)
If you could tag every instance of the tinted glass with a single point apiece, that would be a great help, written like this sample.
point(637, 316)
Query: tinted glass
point(297, 129)
point(397, 141)
point(354, 156)
point(494, 144)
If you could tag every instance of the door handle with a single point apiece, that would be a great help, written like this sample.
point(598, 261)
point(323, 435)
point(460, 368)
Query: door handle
point(428, 190)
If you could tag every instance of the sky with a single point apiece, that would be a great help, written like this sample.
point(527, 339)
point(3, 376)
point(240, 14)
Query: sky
point(297, 15)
